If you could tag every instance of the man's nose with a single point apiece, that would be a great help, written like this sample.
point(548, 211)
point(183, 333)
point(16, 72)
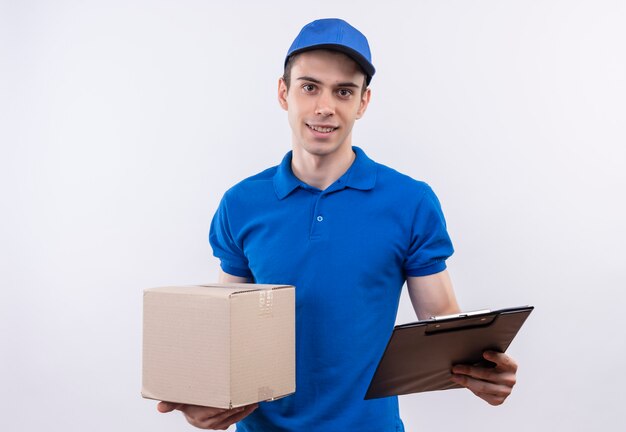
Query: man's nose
point(325, 106)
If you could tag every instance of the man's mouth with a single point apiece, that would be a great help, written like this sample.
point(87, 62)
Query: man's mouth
point(322, 129)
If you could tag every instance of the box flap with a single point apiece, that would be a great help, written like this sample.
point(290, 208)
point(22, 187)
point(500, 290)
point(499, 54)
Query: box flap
point(214, 290)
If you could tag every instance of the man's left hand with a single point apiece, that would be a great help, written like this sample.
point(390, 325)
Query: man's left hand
point(493, 385)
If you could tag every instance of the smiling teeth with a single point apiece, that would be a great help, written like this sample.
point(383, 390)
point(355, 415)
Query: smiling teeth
point(322, 129)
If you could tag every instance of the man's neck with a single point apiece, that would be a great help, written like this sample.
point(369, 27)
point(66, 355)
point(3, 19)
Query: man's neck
point(321, 171)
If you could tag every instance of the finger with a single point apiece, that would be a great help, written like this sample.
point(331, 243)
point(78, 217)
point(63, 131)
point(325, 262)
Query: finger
point(201, 416)
point(236, 412)
point(202, 412)
point(201, 422)
point(480, 386)
point(490, 398)
point(217, 421)
point(496, 376)
point(236, 417)
point(501, 360)
point(165, 407)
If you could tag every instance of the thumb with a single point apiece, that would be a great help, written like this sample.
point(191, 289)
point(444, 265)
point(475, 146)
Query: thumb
point(165, 407)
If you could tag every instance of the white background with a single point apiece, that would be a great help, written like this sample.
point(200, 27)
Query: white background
point(123, 122)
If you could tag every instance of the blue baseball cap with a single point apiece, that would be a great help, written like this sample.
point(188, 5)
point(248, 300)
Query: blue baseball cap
point(337, 35)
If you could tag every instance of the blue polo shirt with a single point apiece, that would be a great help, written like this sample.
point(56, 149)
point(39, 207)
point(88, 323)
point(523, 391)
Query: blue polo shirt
point(348, 251)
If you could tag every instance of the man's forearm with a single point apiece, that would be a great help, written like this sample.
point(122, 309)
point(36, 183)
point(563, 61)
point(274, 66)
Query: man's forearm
point(432, 295)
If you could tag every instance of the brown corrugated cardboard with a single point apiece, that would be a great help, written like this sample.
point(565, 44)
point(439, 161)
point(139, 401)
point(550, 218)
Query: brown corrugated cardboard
point(220, 345)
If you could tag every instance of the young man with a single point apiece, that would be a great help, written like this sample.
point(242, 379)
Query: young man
point(347, 232)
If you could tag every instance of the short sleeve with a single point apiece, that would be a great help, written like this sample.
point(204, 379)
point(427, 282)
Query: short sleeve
point(225, 246)
point(430, 243)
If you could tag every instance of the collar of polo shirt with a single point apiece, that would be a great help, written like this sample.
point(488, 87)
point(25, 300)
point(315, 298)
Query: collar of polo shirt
point(361, 175)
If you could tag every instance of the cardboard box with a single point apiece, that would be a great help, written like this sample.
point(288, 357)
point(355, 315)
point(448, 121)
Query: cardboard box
point(221, 345)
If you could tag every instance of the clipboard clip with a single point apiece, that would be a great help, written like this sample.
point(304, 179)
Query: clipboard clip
point(464, 320)
point(460, 315)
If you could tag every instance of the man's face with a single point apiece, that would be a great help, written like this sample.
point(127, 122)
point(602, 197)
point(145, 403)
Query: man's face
point(323, 101)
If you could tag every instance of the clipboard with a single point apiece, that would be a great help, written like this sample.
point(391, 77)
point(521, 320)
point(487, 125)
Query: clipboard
point(420, 355)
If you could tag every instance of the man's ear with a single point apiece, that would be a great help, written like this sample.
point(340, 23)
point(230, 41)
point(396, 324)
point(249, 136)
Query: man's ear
point(365, 101)
point(282, 93)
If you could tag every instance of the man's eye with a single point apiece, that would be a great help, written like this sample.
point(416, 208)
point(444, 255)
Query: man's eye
point(308, 88)
point(345, 92)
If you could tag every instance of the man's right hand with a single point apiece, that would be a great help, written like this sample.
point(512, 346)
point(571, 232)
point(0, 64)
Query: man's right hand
point(208, 417)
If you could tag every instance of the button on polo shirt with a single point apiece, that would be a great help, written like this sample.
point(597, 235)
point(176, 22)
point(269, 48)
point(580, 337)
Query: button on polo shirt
point(347, 250)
